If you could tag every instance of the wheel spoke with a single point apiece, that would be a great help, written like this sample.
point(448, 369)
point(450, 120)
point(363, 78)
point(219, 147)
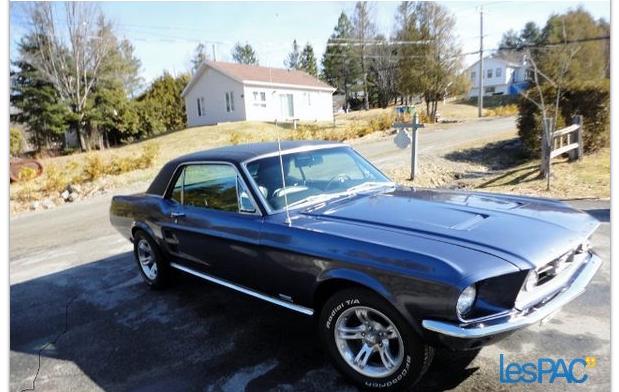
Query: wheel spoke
point(385, 355)
point(391, 333)
point(351, 333)
point(364, 354)
point(362, 315)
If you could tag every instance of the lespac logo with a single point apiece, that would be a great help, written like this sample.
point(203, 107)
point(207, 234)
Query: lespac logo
point(546, 370)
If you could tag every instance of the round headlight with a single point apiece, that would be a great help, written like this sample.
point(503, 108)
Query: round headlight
point(466, 300)
point(531, 281)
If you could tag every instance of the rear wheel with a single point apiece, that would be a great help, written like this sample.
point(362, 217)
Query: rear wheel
point(153, 268)
point(371, 343)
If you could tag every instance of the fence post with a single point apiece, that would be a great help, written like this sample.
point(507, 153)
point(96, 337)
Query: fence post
point(414, 146)
point(548, 132)
point(578, 120)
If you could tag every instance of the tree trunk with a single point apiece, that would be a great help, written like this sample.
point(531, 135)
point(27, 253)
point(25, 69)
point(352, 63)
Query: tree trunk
point(80, 132)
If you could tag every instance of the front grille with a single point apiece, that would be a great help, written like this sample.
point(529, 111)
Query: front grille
point(553, 277)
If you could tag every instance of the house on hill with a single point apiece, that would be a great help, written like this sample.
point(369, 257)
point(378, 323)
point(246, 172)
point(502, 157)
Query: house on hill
point(501, 76)
point(222, 92)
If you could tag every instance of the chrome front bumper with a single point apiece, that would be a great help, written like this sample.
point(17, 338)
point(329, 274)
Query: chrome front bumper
point(516, 319)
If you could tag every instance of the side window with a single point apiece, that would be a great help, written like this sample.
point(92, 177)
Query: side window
point(213, 186)
point(210, 186)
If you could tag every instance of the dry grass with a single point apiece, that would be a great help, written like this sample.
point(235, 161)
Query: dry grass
point(589, 177)
point(501, 111)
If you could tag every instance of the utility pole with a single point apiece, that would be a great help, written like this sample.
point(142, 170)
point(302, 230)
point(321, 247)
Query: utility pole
point(480, 99)
point(214, 53)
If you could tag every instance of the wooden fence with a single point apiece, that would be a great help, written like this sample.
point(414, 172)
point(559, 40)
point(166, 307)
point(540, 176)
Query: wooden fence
point(555, 143)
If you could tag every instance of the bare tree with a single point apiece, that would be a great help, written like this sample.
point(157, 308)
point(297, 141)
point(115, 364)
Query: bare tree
point(364, 30)
point(71, 52)
point(550, 114)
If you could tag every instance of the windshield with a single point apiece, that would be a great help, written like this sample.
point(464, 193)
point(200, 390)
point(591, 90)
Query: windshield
point(313, 176)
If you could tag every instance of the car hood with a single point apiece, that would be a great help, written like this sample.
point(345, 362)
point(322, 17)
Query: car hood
point(527, 232)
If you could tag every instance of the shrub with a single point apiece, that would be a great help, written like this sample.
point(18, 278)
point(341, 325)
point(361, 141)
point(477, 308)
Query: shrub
point(16, 144)
point(150, 152)
point(590, 99)
point(500, 111)
point(55, 180)
point(27, 174)
point(95, 167)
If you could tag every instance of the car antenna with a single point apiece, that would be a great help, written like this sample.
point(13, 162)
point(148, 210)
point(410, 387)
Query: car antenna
point(281, 167)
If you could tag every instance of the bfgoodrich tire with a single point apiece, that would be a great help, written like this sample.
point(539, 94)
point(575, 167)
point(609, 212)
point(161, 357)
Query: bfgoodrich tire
point(152, 266)
point(370, 342)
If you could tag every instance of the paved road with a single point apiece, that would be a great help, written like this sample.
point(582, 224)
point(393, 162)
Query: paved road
point(384, 153)
point(197, 336)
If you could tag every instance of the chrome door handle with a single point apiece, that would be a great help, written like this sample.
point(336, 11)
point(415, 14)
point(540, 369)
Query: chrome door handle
point(177, 214)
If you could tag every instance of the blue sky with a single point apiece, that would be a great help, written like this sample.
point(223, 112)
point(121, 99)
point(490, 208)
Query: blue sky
point(165, 33)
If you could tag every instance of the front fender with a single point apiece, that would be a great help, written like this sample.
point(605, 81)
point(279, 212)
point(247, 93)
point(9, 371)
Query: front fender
point(370, 282)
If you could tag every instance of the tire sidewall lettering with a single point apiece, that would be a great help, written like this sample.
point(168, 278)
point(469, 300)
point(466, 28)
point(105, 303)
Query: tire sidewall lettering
point(339, 307)
point(394, 380)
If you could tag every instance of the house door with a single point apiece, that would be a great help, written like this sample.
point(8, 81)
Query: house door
point(287, 105)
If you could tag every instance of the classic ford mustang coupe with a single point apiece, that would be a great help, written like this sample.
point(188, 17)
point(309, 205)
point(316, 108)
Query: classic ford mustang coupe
point(389, 272)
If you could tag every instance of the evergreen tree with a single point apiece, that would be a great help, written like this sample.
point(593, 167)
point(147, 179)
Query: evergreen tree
point(589, 60)
point(37, 102)
point(199, 57)
point(292, 61)
point(307, 61)
point(244, 54)
point(161, 107)
point(340, 67)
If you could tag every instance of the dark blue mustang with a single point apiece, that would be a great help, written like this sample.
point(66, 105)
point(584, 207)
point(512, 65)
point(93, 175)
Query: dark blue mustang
point(390, 272)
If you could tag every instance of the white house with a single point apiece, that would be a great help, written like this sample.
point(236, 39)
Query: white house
point(220, 92)
point(501, 77)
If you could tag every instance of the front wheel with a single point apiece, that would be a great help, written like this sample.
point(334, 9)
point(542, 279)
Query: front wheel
point(371, 343)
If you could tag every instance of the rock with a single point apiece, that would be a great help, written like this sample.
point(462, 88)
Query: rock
point(47, 204)
point(34, 205)
point(65, 195)
point(74, 188)
point(73, 196)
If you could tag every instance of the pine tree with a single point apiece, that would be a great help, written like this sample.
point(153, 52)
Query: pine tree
point(244, 54)
point(340, 67)
point(307, 61)
point(37, 102)
point(292, 61)
point(199, 57)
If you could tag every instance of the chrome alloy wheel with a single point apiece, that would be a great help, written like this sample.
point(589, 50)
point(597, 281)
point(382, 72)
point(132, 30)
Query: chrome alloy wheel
point(147, 260)
point(369, 342)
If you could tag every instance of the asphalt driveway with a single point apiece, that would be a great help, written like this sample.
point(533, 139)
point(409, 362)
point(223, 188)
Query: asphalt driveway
point(78, 295)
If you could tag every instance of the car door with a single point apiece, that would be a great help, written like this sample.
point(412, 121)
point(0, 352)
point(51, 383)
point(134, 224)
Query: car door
point(214, 225)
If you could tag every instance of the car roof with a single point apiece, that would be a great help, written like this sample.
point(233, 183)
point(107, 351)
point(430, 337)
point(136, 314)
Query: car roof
point(235, 154)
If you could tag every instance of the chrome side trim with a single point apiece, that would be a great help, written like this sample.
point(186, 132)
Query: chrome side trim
point(244, 290)
point(520, 320)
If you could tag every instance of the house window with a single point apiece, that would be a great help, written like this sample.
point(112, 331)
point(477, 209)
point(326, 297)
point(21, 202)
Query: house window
point(489, 90)
point(489, 74)
point(473, 75)
point(201, 108)
point(498, 72)
point(260, 99)
point(229, 101)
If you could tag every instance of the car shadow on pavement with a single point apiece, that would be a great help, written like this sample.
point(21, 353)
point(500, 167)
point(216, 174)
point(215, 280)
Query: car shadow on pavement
point(193, 336)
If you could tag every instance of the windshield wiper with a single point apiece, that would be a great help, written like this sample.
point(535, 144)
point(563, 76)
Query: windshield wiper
point(315, 199)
